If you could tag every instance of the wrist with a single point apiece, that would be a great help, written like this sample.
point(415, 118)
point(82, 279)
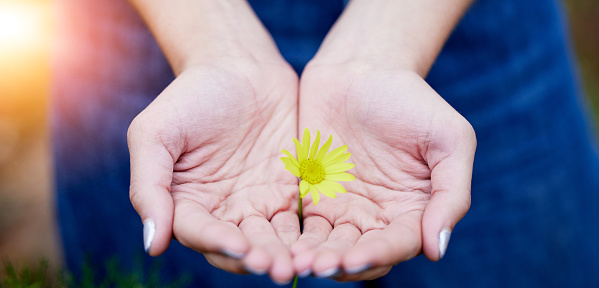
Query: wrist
point(205, 32)
point(406, 35)
point(362, 61)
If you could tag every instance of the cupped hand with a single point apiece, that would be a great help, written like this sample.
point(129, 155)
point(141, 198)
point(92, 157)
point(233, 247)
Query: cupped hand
point(413, 156)
point(205, 166)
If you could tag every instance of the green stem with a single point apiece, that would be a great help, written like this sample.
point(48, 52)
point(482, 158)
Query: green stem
point(299, 213)
point(301, 221)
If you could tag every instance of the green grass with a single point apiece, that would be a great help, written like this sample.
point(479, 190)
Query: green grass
point(43, 276)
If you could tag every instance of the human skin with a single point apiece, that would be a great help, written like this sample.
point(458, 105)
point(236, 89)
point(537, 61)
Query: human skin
point(202, 154)
point(413, 153)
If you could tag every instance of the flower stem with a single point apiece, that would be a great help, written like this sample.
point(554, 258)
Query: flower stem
point(301, 217)
point(301, 222)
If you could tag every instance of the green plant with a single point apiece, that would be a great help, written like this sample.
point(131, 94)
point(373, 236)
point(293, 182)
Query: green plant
point(114, 276)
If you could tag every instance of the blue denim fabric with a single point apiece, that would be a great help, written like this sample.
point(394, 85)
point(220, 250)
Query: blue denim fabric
point(507, 68)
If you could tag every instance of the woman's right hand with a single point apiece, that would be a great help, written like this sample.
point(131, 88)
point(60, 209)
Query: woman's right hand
point(205, 166)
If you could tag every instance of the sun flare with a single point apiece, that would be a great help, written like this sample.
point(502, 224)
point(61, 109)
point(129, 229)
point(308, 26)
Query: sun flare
point(23, 24)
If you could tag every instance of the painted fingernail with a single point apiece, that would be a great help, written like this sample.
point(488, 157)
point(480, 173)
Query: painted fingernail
point(358, 269)
point(444, 236)
point(281, 283)
point(330, 273)
point(149, 231)
point(234, 255)
point(305, 274)
point(254, 271)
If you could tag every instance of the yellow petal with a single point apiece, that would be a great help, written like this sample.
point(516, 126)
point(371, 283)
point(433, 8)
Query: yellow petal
point(339, 159)
point(290, 167)
point(293, 170)
point(300, 151)
point(325, 148)
point(338, 168)
point(288, 162)
point(333, 186)
point(340, 177)
point(295, 162)
point(326, 190)
point(304, 187)
point(334, 154)
point(315, 145)
point(315, 195)
point(305, 144)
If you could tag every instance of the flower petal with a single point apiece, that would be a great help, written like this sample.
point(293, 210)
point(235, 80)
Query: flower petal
point(326, 190)
point(304, 188)
point(338, 151)
point(333, 186)
point(315, 195)
point(300, 151)
point(293, 159)
point(288, 162)
point(293, 171)
point(290, 166)
point(339, 159)
point(340, 177)
point(338, 168)
point(305, 144)
point(315, 145)
point(325, 148)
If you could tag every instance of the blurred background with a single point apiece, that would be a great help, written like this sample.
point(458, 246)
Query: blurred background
point(27, 226)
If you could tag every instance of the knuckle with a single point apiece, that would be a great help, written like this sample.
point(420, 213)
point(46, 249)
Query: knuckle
point(133, 130)
point(134, 197)
point(465, 130)
point(177, 233)
point(466, 204)
point(138, 127)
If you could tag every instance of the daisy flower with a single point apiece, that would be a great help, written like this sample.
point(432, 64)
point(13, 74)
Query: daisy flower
point(318, 170)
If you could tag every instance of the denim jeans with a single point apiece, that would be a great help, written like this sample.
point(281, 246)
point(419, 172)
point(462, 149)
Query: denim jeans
point(507, 68)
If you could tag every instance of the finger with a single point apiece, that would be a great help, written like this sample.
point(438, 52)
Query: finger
point(399, 241)
point(450, 197)
point(316, 231)
point(369, 274)
point(327, 262)
point(268, 252)
point(226, 263)
point(286, 224)
point(151, 176)
point(197, 229)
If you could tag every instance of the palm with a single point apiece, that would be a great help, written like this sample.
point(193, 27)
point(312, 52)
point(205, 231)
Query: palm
point(223, 133)
point(397, 129)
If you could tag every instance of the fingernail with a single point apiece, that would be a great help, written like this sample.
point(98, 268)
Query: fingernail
point(254, 271)
point(444, 236)
point(330, 273)
point(149, 231)
point(305, 273)
point(358, 269)
point(281, 283)
point(234, 255)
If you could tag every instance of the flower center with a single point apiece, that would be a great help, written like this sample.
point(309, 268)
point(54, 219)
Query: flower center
point(311, 171)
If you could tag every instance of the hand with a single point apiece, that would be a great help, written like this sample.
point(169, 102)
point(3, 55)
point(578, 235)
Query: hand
point(413, 156)
point(202, 158)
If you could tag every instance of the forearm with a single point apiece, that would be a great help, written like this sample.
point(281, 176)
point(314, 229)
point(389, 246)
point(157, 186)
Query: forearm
point(192, 32)
point(403, 34)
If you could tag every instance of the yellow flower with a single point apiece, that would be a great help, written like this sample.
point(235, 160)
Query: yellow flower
point(318, 170)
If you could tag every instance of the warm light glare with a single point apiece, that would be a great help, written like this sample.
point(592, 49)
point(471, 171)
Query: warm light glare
point(25, 42)
point(23, 24)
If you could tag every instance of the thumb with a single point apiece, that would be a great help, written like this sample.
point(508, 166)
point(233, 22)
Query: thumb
point(151, 177)
point(451, 176)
